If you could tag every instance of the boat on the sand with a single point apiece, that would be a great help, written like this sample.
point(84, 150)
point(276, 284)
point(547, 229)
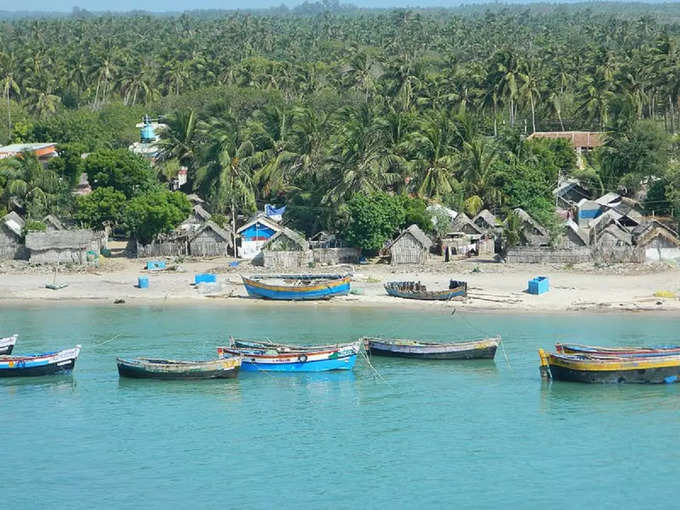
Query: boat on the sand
point(47, 363)
point(149, 368)
point(476, 349)
point(297, 287)
point(417, 290)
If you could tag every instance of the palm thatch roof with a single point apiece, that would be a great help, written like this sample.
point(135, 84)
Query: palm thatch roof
point(485, 220)
point(463, 223)
point(418, 234)
point(643, 234)
point(528, 221)
point(195, 199)
point(60, 240)
point(290, 234)
point(14, 222)
point(201, 213)
point(211, 225)
point(54, 221)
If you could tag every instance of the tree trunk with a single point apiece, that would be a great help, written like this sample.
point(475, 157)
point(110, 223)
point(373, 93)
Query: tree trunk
point(533, 114)
point(233, 228)
point(672, 114)
point(495, 121)
point(9, 120)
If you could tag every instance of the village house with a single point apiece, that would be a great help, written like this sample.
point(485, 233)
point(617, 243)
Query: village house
point(43, 151)
point(532, 232)
point(173, 244)
point(411, 247)
point(569, 194)
point(486, 221)
point(660, 243)
point(582, 141)
point(286, 248)
point(11, 231)
point(330, 250)
point(52, 223)
point(464, 224)
point(196, 219)
point(254, 234)
point(64, 246)
point(210, 240)
point(607, 232)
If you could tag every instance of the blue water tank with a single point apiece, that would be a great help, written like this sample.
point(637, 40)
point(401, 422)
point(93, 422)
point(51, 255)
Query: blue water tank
point(143, 282)
point(147, 134)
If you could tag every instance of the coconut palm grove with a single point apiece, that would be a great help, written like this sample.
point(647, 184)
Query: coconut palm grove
point(338, 112)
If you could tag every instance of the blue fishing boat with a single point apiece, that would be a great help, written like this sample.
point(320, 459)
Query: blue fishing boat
point(416, 290)
point(275, 359)
point(297, 287)
point(47, 363)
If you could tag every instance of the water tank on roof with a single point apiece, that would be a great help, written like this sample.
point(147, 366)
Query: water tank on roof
point(147, 133)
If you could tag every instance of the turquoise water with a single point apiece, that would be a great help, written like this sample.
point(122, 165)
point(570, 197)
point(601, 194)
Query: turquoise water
point(420, 435)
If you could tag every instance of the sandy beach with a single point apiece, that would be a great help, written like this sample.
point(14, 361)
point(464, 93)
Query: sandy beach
point(491, 286)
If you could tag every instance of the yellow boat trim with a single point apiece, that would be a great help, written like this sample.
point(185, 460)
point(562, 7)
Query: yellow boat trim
point(280, 288)
point(597, 365)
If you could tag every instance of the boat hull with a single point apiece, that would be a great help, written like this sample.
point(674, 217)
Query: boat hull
point(322, 359)
point(401, 290)
point(485, 349)
point(140, 372)
point(603, 370)
point(618, 351)
point(61, 362)
point(317, 291)
point(346, 363)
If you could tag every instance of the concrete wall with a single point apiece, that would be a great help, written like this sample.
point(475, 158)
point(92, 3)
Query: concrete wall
point(335, 256)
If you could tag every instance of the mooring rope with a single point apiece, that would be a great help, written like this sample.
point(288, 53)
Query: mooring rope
point(486, 334)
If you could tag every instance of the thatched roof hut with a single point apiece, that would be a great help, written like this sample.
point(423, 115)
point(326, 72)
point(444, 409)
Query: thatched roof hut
point(196, 219)
point(486, 221)
point(11, 230)
point(464, 224)
point(63, 246)
point(607, 231)
point(659, 241)
point(210, 240)
point(533, 233)
point(411, 247)
point(52, 223)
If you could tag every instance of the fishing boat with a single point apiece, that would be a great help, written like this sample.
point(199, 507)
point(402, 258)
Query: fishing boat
point(477, 349)
point(7, 344)
point(608, 369)
point(596, 350)
point(47, 363)
point(416, 290)
point(283, 348)
point(320, 359)
point(293, 287)
point(147, 368)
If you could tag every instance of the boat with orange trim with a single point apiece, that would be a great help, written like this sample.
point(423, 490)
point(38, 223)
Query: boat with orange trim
point(608, 369)
point(297, 287)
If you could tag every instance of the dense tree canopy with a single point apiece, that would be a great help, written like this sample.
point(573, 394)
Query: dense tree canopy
point(318, 105)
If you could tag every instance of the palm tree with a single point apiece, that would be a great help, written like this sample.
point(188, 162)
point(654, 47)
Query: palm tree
point(478, 173)
point(179, 140)
point(224, 176)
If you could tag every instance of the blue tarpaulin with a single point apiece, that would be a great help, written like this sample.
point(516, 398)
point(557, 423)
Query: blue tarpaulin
point(273, 212)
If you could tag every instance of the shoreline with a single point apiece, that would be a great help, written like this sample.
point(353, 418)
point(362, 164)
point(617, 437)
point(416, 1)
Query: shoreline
point(492, 287)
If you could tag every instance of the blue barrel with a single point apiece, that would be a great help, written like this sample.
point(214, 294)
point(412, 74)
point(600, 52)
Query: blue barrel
point(143, 282)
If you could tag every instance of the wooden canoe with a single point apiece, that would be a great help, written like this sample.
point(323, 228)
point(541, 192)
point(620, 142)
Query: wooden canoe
point(7, 344)
point(294, 287)
point(285, 348)
point(320, 359)
point(416, 290)
point(47, 363)
point(148, 368)
point(609, 369)
point(477, 349)
point(596, 350)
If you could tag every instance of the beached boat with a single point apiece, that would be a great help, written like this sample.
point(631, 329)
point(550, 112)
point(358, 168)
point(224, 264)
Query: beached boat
point(7, 344)
point(147, 368)
point(477, 349)
point(47, 363)
point(416, 290)
point(297, 287)
point(625, 352)
point(320, 359)
point(609, 369)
